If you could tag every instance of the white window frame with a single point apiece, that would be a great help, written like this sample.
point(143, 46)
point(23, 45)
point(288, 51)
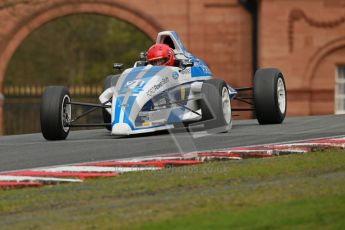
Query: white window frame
point(339, 102)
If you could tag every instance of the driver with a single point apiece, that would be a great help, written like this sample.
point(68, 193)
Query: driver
point(160, 54)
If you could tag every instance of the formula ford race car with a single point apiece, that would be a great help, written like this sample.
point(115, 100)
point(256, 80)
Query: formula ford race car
point(149, 98)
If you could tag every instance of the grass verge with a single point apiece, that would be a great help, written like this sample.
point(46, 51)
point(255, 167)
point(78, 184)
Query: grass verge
point(303, 191)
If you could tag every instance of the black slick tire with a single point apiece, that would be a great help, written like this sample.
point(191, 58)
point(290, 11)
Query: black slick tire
point(213, 105)
point(270, 96)
point(55, 113)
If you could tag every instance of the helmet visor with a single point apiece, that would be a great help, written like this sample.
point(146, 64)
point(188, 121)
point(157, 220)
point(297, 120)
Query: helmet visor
point(160, 61)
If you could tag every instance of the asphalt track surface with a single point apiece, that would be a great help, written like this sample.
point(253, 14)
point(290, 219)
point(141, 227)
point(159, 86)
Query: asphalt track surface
point(32, 150)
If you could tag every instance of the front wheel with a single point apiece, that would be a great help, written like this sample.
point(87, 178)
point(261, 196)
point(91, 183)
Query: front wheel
point(216, 105)
point(55, 113)
point(269, 96)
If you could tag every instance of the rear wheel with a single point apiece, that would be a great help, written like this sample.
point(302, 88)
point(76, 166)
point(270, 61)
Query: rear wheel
point(55, 113)
point(111, 80)
point(269, 96)
point(216, 105)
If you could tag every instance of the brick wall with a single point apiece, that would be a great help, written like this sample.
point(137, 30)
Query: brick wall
point(306, 40)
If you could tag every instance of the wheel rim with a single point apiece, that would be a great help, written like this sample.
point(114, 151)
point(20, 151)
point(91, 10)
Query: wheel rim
point(226, 105)
point(281, 95)
point(66, 113)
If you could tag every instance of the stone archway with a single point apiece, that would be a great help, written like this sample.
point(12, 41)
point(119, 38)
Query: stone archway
point(11, 41)
point(134, 16)
point(320, 76)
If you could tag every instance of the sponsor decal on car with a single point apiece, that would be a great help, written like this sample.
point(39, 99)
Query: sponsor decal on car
point(134, 83)
point(175, 75)
point(135, 86)
point(186, 71)
point(157, 86)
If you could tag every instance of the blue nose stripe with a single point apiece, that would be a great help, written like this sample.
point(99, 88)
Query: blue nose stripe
point(129, 106)
point(151, 72)
point(119, 101)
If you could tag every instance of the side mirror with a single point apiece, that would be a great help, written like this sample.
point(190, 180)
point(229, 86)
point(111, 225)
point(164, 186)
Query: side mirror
point(118, 66)
point(143, 56)
point(187, 63)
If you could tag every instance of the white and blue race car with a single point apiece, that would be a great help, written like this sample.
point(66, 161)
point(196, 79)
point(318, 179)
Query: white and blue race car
point(149, 98)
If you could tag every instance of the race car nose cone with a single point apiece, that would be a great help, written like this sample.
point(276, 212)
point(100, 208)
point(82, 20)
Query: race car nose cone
point(121, 129)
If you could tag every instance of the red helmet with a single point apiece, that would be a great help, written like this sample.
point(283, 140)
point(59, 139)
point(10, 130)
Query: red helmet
point(160, 54)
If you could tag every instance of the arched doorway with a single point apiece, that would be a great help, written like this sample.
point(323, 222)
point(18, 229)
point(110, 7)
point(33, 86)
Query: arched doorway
point(26, 25)
point(113, 9)
point(86, 57)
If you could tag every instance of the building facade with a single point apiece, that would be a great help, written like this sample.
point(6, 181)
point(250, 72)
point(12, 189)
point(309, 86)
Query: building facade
point(304, 38)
